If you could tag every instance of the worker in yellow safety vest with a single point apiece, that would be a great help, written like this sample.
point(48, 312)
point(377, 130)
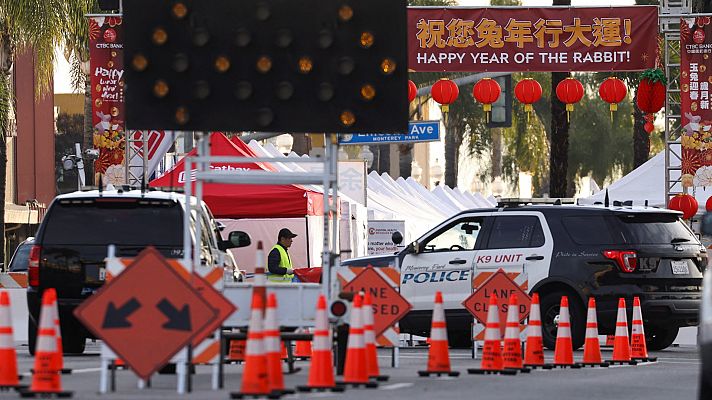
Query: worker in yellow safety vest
point(279, 265)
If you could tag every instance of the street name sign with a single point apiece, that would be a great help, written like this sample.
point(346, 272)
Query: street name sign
point(147, 313)
point(418, 131)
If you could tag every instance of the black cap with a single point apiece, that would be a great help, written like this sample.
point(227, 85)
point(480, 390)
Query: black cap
point(286, 233)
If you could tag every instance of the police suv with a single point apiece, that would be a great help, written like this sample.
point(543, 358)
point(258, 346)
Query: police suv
point(578, 251)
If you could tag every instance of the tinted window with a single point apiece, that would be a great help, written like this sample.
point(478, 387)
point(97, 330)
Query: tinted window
point(516, 231)
point(655, 229)
point(591, 230)
point(110, 222)
point(19, 260)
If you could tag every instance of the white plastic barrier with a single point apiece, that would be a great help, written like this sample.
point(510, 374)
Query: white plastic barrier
point(18, 307)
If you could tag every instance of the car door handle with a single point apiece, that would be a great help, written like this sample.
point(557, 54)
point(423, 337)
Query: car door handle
point(534, 258)
point(458, 261)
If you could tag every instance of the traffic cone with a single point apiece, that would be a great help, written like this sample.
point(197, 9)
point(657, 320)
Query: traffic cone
point(592, 347)
point(46, 380)
point(259, 285)
point(438, 355)
point(273, 350)
point(254, 376)
point(355, 371)
point(492, 362)
point(9, 379)
point(638, 347)
point(564, 353)
point(534, 354)
point(512, 354)
point(60, 353)
point(370, 338)
point(321, 370)
point(302, 349)
point(621, 346)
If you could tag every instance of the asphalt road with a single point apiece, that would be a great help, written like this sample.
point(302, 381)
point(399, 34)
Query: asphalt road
point(674, 376)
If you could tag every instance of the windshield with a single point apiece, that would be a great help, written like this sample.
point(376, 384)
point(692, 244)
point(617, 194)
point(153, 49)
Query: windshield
point(123, 222)
point(655, 229)
point(19, 260)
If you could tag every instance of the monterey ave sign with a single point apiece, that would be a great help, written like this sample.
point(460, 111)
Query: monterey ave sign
point(420, 131)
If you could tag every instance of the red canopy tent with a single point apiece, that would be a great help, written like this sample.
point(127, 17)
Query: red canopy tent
point(245, 201)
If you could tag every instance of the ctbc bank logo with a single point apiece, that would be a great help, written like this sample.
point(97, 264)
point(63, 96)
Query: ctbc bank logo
point(224, 168)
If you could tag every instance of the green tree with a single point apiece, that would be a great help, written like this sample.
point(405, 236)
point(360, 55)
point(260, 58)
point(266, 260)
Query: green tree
point(33, 26)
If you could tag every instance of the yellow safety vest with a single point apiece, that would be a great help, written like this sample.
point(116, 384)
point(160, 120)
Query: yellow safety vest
point(284, 262)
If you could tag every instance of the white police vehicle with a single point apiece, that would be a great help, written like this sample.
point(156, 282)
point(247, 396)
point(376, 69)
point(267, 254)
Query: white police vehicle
point(578, 251)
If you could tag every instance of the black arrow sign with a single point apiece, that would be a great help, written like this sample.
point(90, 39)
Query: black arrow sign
point(117, 317)
point(177, 320)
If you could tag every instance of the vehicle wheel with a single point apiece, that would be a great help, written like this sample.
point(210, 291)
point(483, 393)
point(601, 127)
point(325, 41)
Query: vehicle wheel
point(659, 338)
point(550, 305)
point(31, 336)
point(73, 340)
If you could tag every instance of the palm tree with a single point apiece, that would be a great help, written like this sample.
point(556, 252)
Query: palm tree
point(24, 25)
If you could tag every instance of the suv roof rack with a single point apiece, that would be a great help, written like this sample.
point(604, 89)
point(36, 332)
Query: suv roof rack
point(518, 202)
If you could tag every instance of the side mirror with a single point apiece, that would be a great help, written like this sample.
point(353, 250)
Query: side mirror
point(397, 238)
point(236, 239)
point(413, 248)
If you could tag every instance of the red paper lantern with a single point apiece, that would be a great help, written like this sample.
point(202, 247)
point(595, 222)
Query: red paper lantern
point(528, 92)
point(708, 204)
point(685, 203)
point(651, 96)
point(569, 91)
point(486, 91)
point(649, 127)
point(445, 92)
point(412, 91)
point(613, 91)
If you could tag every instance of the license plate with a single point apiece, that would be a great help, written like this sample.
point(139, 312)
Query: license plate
point(680, 268)
point(102, 274)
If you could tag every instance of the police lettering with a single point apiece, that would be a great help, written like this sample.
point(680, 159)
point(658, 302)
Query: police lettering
point(436, 276)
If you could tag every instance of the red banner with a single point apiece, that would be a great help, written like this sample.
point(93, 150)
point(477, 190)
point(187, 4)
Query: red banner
point(532, 39)
point(695, 82)
point(106, 52)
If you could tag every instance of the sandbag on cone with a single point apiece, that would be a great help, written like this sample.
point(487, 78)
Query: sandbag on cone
point(355, 373)
point(254, 375)
point(438, 354)
point(370, 338)
point(492, 362)
point(46, 380)
point(638, 347)
point(592, 347)
point(9, 379)
point(621, 346)
point(273, 350)
point(512, 354)
point(321, 370)
point(534, 354)
point(564, 352)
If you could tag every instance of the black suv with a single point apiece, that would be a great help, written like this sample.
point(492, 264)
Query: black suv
point(578, 251)
point(71, 245)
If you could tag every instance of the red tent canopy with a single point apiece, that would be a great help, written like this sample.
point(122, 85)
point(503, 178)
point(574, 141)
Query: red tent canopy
point(245, 201)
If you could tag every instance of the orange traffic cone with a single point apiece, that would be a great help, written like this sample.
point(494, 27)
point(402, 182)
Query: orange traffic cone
point(492, 362)
point(370, 338)
point(321, 370)
point(564, 353)
point(46, 378)
point(273, 350)
point(592, 347)
point(438, 355)
point(302, 349)
point(9, 379)
point(512, 354)
point(621, 346)
point(355, 371)
point(534, 354)
point(59, 361)
point(254, 376)
point(638, 347)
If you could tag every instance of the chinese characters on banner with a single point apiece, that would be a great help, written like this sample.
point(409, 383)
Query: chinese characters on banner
point(532, 39)
point(695, 80)
point(106, 54)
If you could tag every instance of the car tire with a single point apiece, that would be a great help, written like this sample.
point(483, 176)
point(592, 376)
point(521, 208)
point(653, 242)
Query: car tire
point(550, 305)
point(31, 336)
point(659, 337)
point(73, 340)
